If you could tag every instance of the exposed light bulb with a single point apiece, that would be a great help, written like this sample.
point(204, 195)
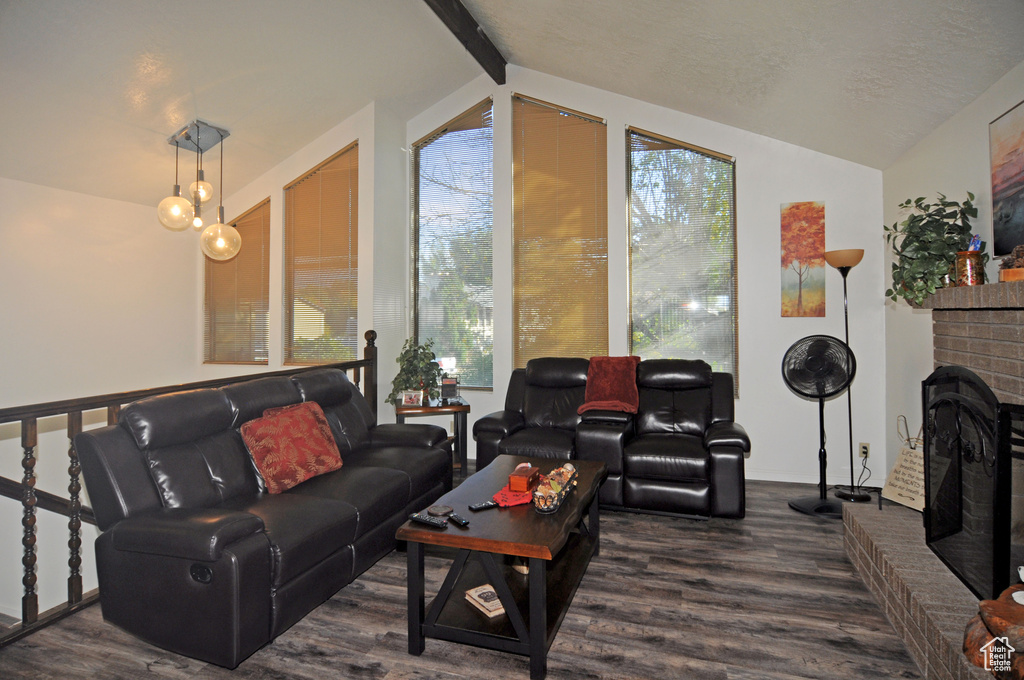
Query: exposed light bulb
point(197, 221)
point(175, 212)
point(220, 241)
point(201, 190)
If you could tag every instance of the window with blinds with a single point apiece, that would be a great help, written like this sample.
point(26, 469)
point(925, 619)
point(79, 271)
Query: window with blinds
point(320, 267)
point(236, 297)
point(453, 224)
point(560, 232)
point(682, 238)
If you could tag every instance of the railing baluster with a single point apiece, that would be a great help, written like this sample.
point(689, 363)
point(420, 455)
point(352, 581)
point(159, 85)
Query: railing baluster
point(113, 411)
point(75, 516)
point(30, 601)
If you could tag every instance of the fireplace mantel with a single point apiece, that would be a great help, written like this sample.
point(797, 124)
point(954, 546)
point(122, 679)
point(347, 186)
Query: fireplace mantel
point(982, 328)
point(990, 296)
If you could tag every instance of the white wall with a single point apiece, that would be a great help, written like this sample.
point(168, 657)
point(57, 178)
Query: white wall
point(952, 160)
point(96, 297)
point(783, 428)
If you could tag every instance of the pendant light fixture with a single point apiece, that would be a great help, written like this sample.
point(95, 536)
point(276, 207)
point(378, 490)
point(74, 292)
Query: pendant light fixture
point(220, 241)
point(175, 212)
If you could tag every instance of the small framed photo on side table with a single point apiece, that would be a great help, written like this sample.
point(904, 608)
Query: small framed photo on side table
point(412, 398)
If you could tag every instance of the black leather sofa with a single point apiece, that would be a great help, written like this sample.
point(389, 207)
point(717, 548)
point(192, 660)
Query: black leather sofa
point(195, 557)
point(682, 453)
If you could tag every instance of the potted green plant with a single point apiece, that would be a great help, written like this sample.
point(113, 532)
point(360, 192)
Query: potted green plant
point(925, 244)
point(417, 370)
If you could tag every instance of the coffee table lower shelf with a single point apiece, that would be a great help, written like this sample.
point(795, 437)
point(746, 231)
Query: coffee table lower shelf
point(535, 603)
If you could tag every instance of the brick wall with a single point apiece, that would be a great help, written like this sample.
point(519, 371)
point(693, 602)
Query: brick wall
point(982, 328)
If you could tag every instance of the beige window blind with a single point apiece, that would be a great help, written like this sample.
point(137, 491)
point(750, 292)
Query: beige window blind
point(237, 297)
point(453, 224)
point(682, 228)
point(321, 267)
point(560, 232)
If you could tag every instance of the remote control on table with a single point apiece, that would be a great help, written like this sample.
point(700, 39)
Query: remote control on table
point(439, 522)
point(483, 506)
point(459, 519)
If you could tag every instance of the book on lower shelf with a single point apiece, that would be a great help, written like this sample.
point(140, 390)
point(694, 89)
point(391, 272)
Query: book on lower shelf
point(486, 600)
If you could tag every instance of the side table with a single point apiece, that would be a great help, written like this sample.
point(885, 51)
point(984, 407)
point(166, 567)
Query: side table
point(456, 407)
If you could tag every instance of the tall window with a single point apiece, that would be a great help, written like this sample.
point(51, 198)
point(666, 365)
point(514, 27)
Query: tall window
point(454, 217)
point(560, 232)
point(682, 237)
point(236, 299)
point(320, 267)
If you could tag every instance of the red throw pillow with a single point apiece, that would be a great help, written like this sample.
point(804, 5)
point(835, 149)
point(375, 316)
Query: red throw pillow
point(611, 385)
point(290, 445)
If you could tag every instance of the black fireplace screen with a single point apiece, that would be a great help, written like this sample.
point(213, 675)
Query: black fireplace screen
point(969, 444)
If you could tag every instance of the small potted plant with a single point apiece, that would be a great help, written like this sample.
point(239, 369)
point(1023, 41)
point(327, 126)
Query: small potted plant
point(417, 371)
point(925, 244)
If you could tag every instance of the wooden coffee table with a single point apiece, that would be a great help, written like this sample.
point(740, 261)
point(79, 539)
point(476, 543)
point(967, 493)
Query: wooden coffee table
point(558, 548)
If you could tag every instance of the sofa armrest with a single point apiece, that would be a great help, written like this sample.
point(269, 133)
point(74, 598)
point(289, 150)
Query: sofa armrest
point(727, 433)
point(604, 441)
point(500, 423)
point(187, 534)
point(407, 434)
point(613, 417)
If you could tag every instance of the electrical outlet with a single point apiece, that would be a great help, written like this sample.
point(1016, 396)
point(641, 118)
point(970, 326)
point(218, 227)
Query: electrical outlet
point(864, 449)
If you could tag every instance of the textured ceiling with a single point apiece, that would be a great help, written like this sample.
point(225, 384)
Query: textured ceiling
point(862, 80)
point(90, 91)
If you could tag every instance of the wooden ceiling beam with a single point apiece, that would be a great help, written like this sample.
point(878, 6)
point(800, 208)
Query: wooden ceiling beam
point(462, 24)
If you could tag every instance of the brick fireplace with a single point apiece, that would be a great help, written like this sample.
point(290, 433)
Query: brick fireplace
point(982, 329)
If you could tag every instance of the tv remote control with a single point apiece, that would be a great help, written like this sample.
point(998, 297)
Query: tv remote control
point(459, 519)
point(439, 522)
point(483, 506)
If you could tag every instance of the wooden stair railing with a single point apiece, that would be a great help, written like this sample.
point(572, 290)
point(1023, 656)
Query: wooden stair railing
point(362, 372)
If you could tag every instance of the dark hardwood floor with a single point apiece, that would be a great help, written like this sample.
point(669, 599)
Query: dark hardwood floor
point(771, 596)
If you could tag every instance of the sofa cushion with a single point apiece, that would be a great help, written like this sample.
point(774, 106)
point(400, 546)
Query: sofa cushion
point(291, 444)
point(301, 531)
point(668, 457)
point(177, 418)
point(347, 412)
point(426, 468)
point(541, 442)
point(555, 389)
point(201, 473)
point(377, 493)
point(251, 398)
point(611, 385)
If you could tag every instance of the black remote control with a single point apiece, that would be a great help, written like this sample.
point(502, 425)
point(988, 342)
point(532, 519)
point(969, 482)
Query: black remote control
point(459, 519)
point(483, 506)
point(439, 522)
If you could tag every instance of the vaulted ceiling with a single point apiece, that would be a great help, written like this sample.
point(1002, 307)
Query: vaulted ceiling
point(92, 90)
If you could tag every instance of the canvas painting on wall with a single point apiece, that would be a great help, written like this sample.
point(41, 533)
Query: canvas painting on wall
point(803, 259)
point(1006, 141)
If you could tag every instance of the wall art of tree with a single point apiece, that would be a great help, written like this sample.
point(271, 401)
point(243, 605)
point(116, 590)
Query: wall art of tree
point(803, 261)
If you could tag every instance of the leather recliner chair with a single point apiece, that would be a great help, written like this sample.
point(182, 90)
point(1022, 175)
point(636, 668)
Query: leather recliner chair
point(681, 454)
point(685, 453)
point(540, 416)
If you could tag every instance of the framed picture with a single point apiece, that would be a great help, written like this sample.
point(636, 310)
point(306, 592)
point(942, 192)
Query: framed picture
point(1006, 142)
point(412, 398)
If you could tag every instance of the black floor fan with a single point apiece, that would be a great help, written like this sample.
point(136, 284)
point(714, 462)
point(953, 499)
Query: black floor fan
point(819, 367)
